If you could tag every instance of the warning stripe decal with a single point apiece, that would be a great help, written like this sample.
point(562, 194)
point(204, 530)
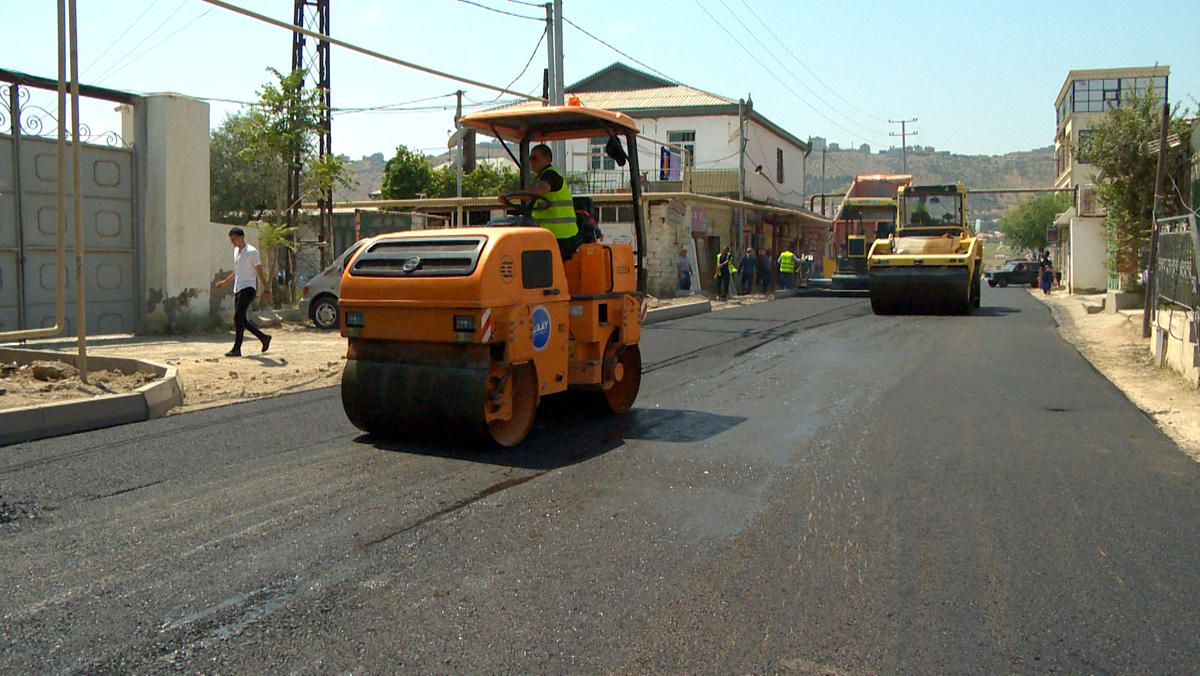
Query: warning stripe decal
point(643, 309)
point(485, 326)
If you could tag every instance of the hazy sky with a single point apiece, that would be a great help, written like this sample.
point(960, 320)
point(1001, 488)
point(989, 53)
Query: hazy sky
point(981, 77)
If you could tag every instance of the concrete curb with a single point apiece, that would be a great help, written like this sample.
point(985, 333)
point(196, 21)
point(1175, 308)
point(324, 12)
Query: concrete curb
point(39, 422)
point(663, 314)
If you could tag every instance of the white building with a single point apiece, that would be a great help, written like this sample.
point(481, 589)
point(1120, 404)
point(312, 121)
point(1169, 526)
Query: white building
point(704, 124)
point(1082, 246)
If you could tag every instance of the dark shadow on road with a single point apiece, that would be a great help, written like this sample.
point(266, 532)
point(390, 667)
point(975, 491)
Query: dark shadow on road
point(569, 429)
point(995, 311)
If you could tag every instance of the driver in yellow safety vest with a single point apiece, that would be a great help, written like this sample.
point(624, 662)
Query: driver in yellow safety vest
point(559, 216)
point(787, 267)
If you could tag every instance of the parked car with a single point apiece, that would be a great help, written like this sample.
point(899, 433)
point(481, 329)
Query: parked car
point(1014, 272)
point(320, 298)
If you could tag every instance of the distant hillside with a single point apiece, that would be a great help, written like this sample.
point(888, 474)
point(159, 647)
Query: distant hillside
point(368, 176)
point(1025, 169)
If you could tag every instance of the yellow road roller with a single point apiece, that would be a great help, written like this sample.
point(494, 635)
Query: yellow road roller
point(932, 263)
point(459, 332)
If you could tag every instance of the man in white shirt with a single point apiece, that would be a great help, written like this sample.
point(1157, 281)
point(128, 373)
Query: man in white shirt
point(247, 270)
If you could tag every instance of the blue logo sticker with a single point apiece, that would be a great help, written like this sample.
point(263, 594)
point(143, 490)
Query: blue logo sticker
point(540, 323)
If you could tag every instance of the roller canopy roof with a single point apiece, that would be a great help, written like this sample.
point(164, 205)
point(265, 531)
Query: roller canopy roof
point(550, 123)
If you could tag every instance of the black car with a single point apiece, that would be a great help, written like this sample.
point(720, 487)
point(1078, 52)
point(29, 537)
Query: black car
point(1014, 272)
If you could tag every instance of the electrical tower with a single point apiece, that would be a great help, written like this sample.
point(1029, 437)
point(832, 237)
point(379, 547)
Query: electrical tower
point(313, 15)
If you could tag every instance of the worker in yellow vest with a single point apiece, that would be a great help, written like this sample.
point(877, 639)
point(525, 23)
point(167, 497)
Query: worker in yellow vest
point(559, 216)
point(787, 267)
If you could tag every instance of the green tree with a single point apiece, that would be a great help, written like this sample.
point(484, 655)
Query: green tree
point(490, 179)
point(1120, 148)
point(241, 186)
point(406, 175)
point(251, 154)
point(1024, 227)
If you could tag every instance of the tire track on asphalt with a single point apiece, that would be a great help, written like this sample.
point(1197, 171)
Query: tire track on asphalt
point(768, 335)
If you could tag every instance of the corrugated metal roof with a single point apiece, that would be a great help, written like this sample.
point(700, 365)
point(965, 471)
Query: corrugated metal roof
point(658, 97)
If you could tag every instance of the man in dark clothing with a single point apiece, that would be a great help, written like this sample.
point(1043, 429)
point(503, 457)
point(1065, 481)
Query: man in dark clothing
point(764, 271)
point(747, 268)
point(724, 274)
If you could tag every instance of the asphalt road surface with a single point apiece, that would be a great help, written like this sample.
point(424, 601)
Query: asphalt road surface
point(804, 487)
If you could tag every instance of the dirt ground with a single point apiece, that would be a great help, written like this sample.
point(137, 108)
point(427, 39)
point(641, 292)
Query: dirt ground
point(50, 381)
point(303, 357)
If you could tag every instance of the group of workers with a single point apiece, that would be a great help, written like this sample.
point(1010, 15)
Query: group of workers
point(754, 268)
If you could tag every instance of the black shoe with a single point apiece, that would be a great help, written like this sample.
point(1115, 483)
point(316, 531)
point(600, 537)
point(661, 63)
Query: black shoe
point(266, 343)
point(233, 353)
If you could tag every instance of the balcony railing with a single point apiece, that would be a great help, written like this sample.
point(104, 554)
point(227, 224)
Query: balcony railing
point(719, 182)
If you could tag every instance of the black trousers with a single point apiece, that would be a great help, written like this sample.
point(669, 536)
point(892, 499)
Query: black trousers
point(241, 303)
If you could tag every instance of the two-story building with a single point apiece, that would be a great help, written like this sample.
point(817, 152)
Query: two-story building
point(1081, 238)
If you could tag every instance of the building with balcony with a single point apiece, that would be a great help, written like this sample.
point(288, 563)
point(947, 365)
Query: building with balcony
point(1079, 234)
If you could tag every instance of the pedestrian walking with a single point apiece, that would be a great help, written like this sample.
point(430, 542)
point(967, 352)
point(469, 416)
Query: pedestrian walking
point(247, 272)
point(746, 268)
point(724, 272)
point(1046, 274)
point(684, 268)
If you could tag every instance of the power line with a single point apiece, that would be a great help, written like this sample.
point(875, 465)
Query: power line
point(792, 73)
point(536, 47)
point(527, 4)
point(122, 35)
point(640, 63)
point(143, 40)
point(805, 67)
point(363, 50)
point(768, 70)
point(499, 11)
point(156, 45)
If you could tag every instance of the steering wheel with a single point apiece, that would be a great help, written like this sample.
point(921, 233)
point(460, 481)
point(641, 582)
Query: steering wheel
point(524, 202)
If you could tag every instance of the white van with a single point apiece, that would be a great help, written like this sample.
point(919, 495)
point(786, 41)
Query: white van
point(320, 298)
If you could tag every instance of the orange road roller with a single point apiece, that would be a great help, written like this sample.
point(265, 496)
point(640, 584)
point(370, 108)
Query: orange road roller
point(459, 332)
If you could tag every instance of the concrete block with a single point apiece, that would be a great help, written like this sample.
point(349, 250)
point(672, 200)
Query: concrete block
point(1121, 300)
point(663, 314)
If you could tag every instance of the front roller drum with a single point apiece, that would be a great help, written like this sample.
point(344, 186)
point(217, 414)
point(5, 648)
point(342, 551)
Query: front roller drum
point(622, 377)
point(917, 289)
point(440, 403)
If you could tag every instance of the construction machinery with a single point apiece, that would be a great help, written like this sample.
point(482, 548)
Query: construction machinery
point(867, 212)
point(460, 332)
point(932, 263)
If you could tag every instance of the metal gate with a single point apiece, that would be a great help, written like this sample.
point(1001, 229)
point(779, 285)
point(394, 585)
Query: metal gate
point(28, 217)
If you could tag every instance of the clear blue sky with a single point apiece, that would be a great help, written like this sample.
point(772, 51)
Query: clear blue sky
point(981, 77)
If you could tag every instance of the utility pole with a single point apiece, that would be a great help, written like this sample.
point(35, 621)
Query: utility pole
point(904, 134)
point(554, 58)
point(823, 151)
point(458, 149)
point(741, 215)
point(313, 15)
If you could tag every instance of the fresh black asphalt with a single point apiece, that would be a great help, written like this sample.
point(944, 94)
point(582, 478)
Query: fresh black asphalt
point(803, 487)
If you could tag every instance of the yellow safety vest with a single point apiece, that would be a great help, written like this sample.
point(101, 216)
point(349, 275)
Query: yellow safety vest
point(787, 262)
point(559, 218)
point(729, 262)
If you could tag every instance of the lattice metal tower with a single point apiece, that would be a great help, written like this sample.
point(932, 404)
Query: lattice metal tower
point(314, 16)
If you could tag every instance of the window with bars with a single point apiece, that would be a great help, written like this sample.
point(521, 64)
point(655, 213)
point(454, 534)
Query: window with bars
point(687, 139)
point(779, 166)
point(598, 159)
